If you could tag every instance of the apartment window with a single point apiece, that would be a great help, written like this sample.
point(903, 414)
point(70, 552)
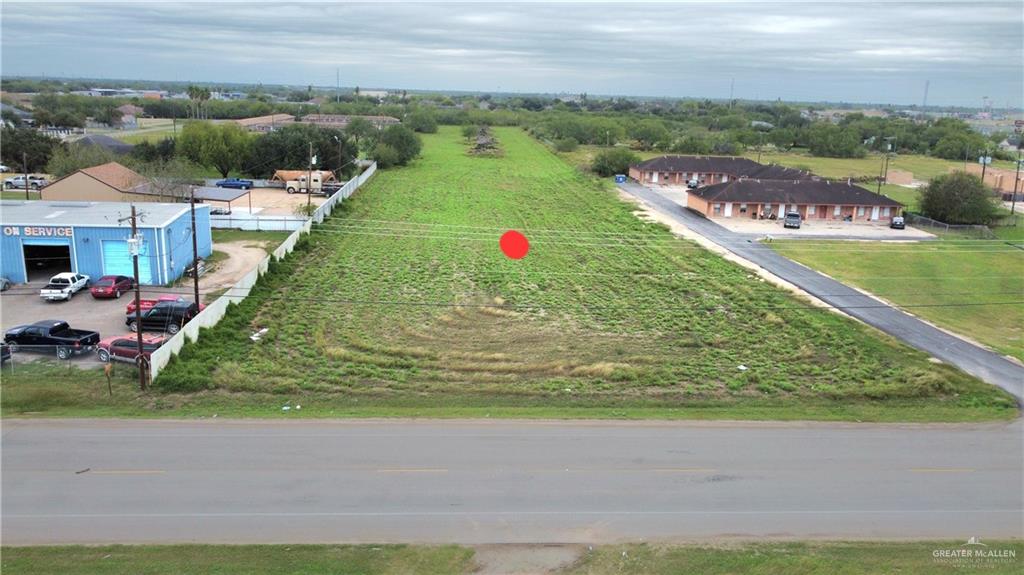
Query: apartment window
point(743, 208)
point(837, 210)
point(810, 210)
point(718, 209)
point(860, 211)
point(885, 212)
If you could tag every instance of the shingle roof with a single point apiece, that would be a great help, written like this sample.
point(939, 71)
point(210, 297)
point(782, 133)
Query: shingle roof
point(106, 142)
point(95, 214)
point(793, 192)
point(736, 167)
point(261, 120)
point(118, 177)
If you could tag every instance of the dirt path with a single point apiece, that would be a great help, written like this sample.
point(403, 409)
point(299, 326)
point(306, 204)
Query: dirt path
point(242, 257)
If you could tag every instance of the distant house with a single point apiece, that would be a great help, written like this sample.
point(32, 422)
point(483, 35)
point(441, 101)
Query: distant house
point(813, 199)
point(707, 170)
point(266, 123)
point(106, 142)
point(129, 115)
point(340, 121)
point(110, 182)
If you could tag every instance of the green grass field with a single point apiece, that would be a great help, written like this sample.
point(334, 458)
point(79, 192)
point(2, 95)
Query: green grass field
point(934, 274)
point(775, 558)
point(404, 295)
point(866, 558)
point(18, 195)
point(923, 167)
point(255, 559)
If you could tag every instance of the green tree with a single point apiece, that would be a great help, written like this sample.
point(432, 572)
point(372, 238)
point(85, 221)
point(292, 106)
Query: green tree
point(403, 141)
point(361, 130)
point(958, 198)
point(288, 149)
point(385, 156)
point(27, 143)
point(223, 147)
point(830, 141)
point(649, 133)
point(566, 145)
point(469, 132)
point(421, 120)
point(72, 157)
point(613, 161)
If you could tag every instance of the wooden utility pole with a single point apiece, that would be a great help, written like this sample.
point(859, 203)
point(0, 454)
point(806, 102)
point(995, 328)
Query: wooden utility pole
point(195, 247)
point(24, 164)
point(141, 359)
point(1016, 183)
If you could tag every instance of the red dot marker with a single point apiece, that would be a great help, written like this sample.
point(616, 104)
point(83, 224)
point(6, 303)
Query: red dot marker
point(514, 244)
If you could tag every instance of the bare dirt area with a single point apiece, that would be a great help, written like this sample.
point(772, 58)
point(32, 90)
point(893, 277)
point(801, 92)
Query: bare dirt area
point(275, 201)
point(242, 257)
point(525, 559)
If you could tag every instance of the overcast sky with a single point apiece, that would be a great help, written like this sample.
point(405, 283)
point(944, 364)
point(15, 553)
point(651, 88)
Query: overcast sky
point(837, 51)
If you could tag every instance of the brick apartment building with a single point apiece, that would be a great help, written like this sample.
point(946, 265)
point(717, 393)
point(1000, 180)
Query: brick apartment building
point(813, 199)
point(708, 170)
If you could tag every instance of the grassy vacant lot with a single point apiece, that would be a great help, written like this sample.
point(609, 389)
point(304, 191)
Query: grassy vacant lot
point(866, 558)
point(270, 240)
point(18, 195)
point(256, 559)
point(934, 274)
point(403, 298)
point(923, 167)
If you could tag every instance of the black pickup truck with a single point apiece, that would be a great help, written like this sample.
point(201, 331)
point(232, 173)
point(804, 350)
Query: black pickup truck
point(49, 335)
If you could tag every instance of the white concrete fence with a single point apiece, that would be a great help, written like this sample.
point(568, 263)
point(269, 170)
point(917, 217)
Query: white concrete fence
point(213, 312)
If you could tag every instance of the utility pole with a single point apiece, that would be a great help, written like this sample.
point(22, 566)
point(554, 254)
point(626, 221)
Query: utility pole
point(1016, 182)
point(309, 181)
point(24, 164)
point(140, 359)
point(195, 247)
point(984, 164)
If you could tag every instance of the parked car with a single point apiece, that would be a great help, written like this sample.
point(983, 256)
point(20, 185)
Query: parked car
point(64, 286)
point(34, 182)
point(235, 183)
point(4, 169)
point(52, 333)
point(897, 223)
point(167, 316)
point(693, 184)
point(792, 220)
point(219, 211)
point(121, 348)
point(148, 303)
point(111, 286)
point(5, 284)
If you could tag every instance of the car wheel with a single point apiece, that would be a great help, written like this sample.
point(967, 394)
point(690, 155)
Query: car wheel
point(12, 346)
point(104, 355)
point(134, 326)
point(291, 190)
point(173, 329)
point(117, 294)
point(63, 353)
point(245, 188)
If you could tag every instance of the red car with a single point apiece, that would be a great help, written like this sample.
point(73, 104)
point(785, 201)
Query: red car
point(111, 286)
point(126, 348)
point(148, 303)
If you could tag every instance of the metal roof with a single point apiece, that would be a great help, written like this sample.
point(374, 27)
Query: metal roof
point(88, 214)
point(219, 194)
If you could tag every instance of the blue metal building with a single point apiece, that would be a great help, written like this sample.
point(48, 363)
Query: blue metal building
point(43, 238)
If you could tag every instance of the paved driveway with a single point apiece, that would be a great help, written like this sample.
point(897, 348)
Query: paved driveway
point(975, 360)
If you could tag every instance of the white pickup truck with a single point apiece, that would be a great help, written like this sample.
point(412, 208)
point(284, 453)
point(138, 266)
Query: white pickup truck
point(64, 286)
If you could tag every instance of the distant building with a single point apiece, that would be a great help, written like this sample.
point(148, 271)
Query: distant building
point(707, 170)
point(106, 142)
point(341, 121)
point(266, 123)
point(813, 199)
point(379, 94)
point(110, 182)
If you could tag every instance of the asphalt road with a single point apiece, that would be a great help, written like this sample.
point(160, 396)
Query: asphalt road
point(975, 360)
point(136, 481)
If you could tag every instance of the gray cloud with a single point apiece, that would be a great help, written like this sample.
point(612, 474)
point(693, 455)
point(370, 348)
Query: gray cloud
point(852, 51)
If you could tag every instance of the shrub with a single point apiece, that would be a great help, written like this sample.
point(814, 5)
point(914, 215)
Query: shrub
point(614, 161)
point(385, 156)
point(958, 198)
point(566, 145)
point(403, 141)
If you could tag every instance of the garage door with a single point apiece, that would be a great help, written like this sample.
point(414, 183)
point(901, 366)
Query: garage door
point(117, 262)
